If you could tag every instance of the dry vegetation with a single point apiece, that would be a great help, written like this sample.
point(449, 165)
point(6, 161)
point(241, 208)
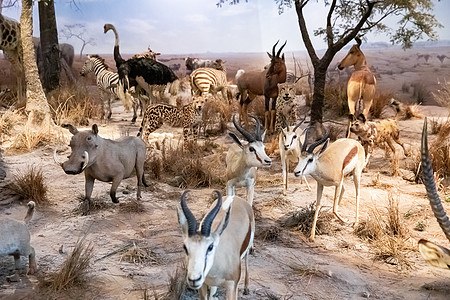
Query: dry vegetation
point(303, 219)
point(387, 234)
point(29, 185)
point(74, 270)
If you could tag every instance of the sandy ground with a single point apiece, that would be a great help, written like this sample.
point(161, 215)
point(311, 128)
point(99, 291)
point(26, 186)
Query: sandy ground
point(338, 265)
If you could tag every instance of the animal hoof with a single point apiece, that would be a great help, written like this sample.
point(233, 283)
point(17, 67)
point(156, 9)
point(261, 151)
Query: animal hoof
point(246, 291)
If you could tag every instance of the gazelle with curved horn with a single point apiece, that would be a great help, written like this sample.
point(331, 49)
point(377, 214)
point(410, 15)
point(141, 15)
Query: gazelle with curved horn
point(434, 254)
point(290, 141)
point(329, 166)
point(214, 252)
point(243, 159)
point(361, 85)
point(251, 84)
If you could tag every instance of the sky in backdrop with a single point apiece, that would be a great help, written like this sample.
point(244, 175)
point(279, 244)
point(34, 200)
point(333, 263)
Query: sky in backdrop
point(195, 26)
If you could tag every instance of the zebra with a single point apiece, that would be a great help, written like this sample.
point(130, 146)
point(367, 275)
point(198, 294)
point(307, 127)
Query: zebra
point(209, 80)
point(108, 82)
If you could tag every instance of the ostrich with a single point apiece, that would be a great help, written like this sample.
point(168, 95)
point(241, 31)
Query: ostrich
point(141, 71)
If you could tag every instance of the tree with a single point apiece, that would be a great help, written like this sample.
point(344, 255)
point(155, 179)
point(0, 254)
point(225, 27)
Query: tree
point(78, 31)
point(37, 107)
point(49, 45)
point(347, 19)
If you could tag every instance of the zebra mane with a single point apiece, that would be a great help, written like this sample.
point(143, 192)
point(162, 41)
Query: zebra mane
point(102, 60)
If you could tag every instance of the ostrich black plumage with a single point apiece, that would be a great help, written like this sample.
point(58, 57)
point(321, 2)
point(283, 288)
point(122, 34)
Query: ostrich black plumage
point(141, 68)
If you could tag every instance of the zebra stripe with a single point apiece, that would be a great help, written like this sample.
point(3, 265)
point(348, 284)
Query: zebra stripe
point(203, 80)
point(107, 81)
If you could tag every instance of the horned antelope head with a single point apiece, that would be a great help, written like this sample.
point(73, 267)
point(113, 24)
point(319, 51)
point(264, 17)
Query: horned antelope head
point(255, 148)
point(308, 159)
point(200, 245)
point(290, 137)
point(277, 63)
point(435, 255)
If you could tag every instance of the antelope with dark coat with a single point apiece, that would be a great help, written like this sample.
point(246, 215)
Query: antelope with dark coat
point(434, 254)
point(361, 85)
point(329, 166)
point(105, 160)
point(214, 253)
point(251, 84)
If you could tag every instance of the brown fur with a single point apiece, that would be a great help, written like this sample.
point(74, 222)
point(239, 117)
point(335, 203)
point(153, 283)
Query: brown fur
point(349, 157)
point(377, 133)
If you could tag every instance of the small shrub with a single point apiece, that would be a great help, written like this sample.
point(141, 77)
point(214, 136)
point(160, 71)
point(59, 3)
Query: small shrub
point(74, 270)
point(139, 255)
point(378, 104)
point(420, 92)
point(442, 95)
point(335, 102)
point(303, 220)
point(420, 226)
point(30, 185)
point(74, 105)
point(269, 234)
point(405, 87)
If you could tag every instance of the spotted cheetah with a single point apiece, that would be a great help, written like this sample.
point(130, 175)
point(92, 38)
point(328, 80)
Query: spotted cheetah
point(286, 106)
point(185, 116)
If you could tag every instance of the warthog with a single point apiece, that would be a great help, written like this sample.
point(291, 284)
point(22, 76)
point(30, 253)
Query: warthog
point(105, 160)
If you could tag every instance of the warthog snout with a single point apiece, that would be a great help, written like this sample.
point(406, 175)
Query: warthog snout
point(73, 166)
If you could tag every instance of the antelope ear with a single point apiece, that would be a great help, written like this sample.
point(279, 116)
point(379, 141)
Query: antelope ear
point(73, 130)
point(182, 220)
point(270, 56)
point(223, 224)
point(95, 129)
point(235, 139)
point(325, 145)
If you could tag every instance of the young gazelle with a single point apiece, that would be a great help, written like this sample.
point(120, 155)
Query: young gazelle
point(435, 255)
point(243, 159)
point(329, 166)
point(290, 141)
point(214, 258)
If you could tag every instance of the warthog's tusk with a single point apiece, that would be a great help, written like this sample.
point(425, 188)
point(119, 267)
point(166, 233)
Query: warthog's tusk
point(86, 160)
point(55, 158)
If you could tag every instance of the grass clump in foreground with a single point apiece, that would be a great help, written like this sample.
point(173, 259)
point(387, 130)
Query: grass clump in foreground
point(30, 185)
point(73, 272)
point(387, 235)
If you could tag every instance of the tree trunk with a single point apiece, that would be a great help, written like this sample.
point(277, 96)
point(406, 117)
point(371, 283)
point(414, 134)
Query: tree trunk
point(319, 94)
point(37, 106)
point(49, 45)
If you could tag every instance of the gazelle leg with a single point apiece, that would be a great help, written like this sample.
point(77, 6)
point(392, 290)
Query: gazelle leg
point(231, 290)
point(284, 171)
point(357, 182)
point(246, 290)
point(203, 292)
point(251, 193)
point(212, 292)
point(316, 213)
point(338, 193)
point(306, 181)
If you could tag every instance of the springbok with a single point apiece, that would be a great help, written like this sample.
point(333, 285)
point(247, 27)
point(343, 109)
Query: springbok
point(329, 166)
point(361, 85)
point(251, 84)
point(214, 258)
point(243, 160)
point(290, 141)
point(435, 255)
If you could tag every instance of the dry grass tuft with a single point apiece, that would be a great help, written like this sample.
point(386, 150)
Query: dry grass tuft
point(387, 235)
point(177, 287)
point(277, 202)
point(442, 95)
point(303, 220)
point(9, 119)
point(30, 138)
point(73, 272)
point(87, 207)
point(75, 106)
point(30, 185)
point(335, 102)
point(139, 255)
point(379, 103)
point(269, 234)
point(190, 166)
point(132, 206)
point(272, 146)
point(440, 151)
point(216, 111)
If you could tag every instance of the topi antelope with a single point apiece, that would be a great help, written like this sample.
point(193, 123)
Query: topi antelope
point(251, 84)
point(214, 258)
point(243, 159)
point(361, 85)
point(289, 143)
point(329, 166)
point(435, 255)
